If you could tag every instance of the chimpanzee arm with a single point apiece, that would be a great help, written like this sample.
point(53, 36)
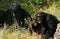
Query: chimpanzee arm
point(26, 14)
point(9, 17)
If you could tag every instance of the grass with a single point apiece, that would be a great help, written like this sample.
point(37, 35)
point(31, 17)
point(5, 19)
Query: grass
point(18, 34)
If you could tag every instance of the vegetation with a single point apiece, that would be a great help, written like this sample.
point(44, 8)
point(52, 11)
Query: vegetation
point(31, 6)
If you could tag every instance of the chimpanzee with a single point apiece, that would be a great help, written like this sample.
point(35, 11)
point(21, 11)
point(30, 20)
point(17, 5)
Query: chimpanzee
point(49, 22)
point(2, 17)
point(36, 27)
point(20, 14)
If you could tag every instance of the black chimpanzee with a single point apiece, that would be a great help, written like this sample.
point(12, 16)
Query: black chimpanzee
point(2, 17)
point(20, 14)
point(36, 27)
point(49, 22)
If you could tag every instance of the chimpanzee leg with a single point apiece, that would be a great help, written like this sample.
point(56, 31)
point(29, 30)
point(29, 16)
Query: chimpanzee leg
point(43, 32)
point(47, 35)
point(51, 29)
point(22, 23)
point(50, 33)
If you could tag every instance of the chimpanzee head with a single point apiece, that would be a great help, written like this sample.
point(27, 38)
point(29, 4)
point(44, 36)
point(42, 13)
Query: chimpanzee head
point(15, 6)
point(34, 22)
point(40, 16)
point(39, 19)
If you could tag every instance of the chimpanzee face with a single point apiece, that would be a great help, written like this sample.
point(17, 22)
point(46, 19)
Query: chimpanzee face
point(39, 19)
point(14, 6)
point(34, 22)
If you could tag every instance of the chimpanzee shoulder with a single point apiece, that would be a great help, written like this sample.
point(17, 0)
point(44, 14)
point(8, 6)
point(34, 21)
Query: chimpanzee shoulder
point(52, 18)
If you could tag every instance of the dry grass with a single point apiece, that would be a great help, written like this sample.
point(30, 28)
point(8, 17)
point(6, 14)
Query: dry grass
point(17, 34)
